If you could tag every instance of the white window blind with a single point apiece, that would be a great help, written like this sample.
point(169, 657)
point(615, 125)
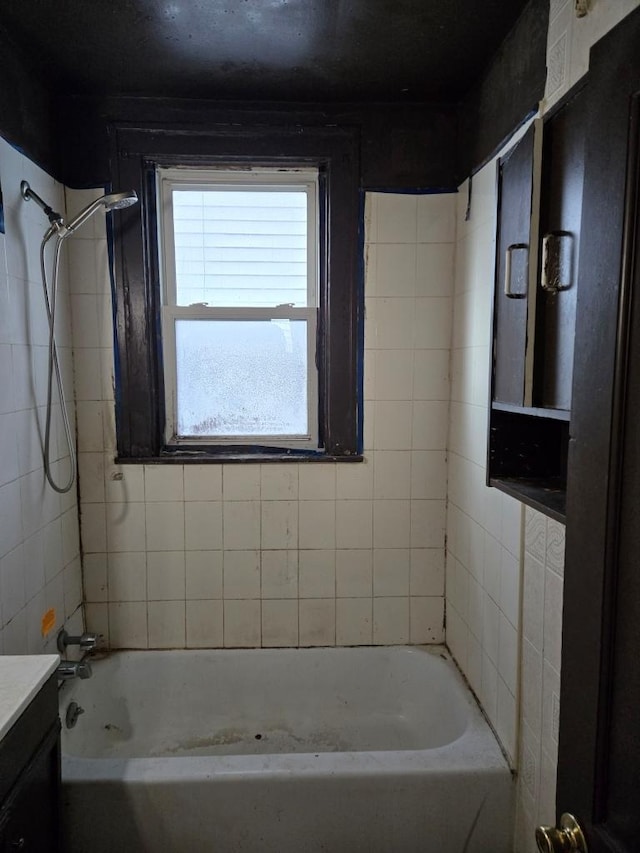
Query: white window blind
point(239, 305)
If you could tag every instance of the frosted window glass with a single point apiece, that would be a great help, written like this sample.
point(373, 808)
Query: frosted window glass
point(240, 247)
point(241, 377)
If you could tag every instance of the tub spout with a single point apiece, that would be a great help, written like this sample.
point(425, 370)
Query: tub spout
point(73, 669)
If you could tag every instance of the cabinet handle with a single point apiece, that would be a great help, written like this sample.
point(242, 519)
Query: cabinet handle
point(508, 271)
point(557, 261)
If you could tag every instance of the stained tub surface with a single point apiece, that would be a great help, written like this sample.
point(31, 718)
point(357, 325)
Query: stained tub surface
point(366, 749)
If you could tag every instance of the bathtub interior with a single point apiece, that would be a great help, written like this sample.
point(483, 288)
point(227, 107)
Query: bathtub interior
point(261, 702)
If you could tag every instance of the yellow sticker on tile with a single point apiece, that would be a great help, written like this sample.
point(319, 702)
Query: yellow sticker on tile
point(48, 622)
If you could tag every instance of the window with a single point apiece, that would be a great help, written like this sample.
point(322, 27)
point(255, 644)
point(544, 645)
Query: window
point(235, 335)
point(239, 304)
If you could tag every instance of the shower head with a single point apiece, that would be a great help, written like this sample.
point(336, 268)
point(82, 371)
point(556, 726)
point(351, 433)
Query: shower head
point(117, 201)
point(112, 201)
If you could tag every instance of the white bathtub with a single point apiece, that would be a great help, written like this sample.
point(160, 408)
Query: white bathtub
point(282, 751)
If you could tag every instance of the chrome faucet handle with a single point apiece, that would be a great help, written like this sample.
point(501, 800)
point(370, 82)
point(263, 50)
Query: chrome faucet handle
point(87, 642)
point(73, 669)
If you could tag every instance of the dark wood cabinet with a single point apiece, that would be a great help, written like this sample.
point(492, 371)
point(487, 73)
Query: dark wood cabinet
point(540, 185)
point(30, 778)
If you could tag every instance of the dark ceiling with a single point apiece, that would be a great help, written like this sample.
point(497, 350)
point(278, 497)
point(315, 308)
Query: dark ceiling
point(285, 50)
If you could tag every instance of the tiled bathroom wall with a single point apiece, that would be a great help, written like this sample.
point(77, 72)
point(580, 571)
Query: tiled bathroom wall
point(541, 654)
point(484, 526)
point(282, 554)
point(39, 548)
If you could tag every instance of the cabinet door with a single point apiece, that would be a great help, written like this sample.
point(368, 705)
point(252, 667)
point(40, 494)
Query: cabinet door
point(29, 818)
point(560, 220)
point(516, 254)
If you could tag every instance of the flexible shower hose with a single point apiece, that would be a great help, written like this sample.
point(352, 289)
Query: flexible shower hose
point(54, 367)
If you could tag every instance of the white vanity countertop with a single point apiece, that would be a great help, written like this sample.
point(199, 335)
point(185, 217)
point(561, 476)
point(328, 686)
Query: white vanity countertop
point(21, 676)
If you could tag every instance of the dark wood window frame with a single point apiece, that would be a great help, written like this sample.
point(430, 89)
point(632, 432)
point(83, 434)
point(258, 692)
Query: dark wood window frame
point(136, 154)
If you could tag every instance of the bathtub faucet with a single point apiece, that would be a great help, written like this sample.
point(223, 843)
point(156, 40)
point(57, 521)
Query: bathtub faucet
point(87, 642)
point(73, 669)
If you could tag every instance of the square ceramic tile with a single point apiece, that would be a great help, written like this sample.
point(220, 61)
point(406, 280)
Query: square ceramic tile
point(123, 530)
point(491, 629)
point(203, 574)
point(426, 575)
point(433, 319)
point(204, 624)
point(390, 621)
point(165, 575)
point(163, 483)
point(535, 537)
point(391, 323)
point(279, 574)
point(123, 483)
point(397, 217)
point(354, 524)
point(12, 592)
point(555, 546)
point(317, 621)
point(434, 265)
point(533, 601)
point(279, 482)
point(317, 482)
point(531, 682)
point(426, 619)
point(128, 625)
point(489, 692)
point(279, 623)
point(510, 587)
point(91, 477)
point(242, 624)
point(316, 574)
point(428, 474)
point(391, 571)
point(241, 525)
point(202, 482)
point(355, 480)
point(354, 622)
point(203, 525)
point(552, 640)
point(394, 374)
point(97, 619)
point(241, 482)
point(392, 474)
point(354, 574)
point(396, 269)
point(436, 218)
point(391, 524)
point(165, 526)
point(167, 629)
point(94, 573)
point(279, 524)
point(508, 654)
point(427, 524)
point(507, 720)
point(241, 572)
point(429, 425)
point(127, 576)
point(317, 524)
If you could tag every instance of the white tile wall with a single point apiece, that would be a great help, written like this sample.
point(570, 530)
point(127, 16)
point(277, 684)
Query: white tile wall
point(39, 540)
point(541, 646)
point(284, 554)
point(484, 527)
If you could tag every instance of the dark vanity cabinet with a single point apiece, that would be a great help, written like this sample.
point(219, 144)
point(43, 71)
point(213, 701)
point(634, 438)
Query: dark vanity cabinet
point(30, 777)
point(535, 296)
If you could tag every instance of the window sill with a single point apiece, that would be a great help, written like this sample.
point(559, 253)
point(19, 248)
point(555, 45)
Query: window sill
point(224, 457)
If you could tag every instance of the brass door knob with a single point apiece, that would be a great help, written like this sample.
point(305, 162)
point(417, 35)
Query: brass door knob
point(568, 838)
